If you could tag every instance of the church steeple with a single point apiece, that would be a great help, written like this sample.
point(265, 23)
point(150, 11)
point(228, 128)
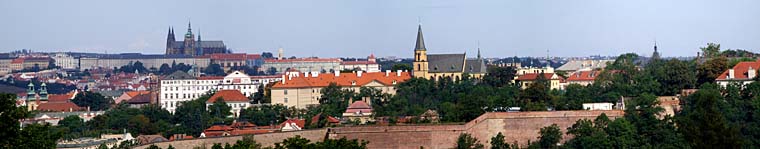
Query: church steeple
point(420, 46)
point(420, 64)
point(189, 30)
point(479, 50)
point(656, 54)
point(199, 50)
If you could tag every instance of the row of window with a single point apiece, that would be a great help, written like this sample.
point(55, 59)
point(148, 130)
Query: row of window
point(192, 88)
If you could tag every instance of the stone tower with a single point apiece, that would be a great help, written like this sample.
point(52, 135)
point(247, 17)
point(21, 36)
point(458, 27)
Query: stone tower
point(420, 63)
point(170, 42)
point(189, 48)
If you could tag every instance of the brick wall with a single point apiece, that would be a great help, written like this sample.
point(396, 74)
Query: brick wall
point(264, 139)
point(516, 126)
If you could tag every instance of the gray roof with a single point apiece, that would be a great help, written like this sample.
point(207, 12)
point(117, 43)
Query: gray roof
point(445, 62)
point(179, 75)
point(204, 44)
point(141, 56)
point(420, 45)
point(475, 66)
point(112, 93)
point(574, 65)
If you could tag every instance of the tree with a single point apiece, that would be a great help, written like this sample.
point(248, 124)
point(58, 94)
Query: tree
point(401, 67)
point(72, 124)
point(219, 111)
point(103, 146)
point(711, 69)
point(498, 142)
point(712, 50)
point(704, 125)
point(141, 125)
point(466, 141)
point(165, 69)
point(153, 146)
point(95, 101)
point(499, 76)
point(170, 147)
point(622, 134)
point(31, 136)
point(194, 117)
point(266, 55)
point(246, 143)
point(296, 142)
point(214, 70)
point(550, 136)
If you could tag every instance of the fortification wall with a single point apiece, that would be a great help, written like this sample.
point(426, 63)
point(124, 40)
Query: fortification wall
point(517, 127)
point(264, 139)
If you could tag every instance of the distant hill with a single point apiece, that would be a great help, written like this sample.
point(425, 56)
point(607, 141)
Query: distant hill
point(10, 89)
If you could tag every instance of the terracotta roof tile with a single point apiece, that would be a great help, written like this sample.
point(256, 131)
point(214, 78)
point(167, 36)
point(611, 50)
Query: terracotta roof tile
point(583, 76)
point(359, 106)
point(740, 71)
point(59, 107)
point(533, 76)
point(345, 79)
point(228, 96)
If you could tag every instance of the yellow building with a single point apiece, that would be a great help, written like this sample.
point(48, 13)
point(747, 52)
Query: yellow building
point(437, 66)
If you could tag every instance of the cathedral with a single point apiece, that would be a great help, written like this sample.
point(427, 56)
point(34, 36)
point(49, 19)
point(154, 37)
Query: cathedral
point(437, 66)
point(192, 47)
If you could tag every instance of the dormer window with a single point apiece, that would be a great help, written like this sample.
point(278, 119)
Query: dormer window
point(353, 82)
point(394, 82)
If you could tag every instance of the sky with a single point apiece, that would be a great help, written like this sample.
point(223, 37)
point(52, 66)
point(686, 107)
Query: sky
point(357, 28)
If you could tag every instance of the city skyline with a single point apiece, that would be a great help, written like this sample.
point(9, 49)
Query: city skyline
point(357, 29)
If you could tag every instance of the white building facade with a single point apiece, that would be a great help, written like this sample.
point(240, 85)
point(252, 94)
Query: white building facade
point(180, 86)
point(65, 61)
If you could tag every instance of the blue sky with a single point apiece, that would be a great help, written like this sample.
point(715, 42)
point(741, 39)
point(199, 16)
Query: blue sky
point(357, 28)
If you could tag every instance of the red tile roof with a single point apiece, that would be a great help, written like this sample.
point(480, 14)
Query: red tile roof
point(584, 76)
point(357, 62)
point(59, 107)
point(359, 106)
point(300, 123)
point(135, 93)
point(345, 79)
point(740, 71)
point(249, 131)
point(229, 56)
point(303, 60)
point(228, 96)
point(218, 128)
point(533, 76)
point(60, 97)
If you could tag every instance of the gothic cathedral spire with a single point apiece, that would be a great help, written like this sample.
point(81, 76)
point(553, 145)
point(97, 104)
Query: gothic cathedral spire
point(420, 64)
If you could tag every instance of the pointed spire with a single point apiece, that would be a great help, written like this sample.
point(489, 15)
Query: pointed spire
point(478, 49)
point(655, 45)
point(420, 46)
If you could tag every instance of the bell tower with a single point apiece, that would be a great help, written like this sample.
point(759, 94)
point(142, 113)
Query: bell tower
point(189, 41)
point(420, 63)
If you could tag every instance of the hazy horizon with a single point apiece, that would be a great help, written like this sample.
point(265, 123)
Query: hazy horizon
point(386, 28)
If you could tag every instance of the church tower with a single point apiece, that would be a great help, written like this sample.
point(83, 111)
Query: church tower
point(656, 54)
point(420, 63)
point(198, 47)
point(189, 48)
point(170, 42)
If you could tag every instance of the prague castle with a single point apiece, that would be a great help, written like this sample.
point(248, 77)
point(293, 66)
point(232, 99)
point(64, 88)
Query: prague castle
point(192, 47)
point(437, 66)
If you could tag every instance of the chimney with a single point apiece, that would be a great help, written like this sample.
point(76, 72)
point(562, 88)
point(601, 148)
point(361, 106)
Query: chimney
point(751, 73)
point(305, 74)
point(314, 74)
point(398, 73)
point(359, 74)
point(283, 79)
point(730, 73)
point(387, 72)
point(337, 73)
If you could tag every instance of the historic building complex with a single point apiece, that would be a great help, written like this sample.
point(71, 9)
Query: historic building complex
point(436, 66)
point(191, 46)
point(304, 89)
point(181, 86)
